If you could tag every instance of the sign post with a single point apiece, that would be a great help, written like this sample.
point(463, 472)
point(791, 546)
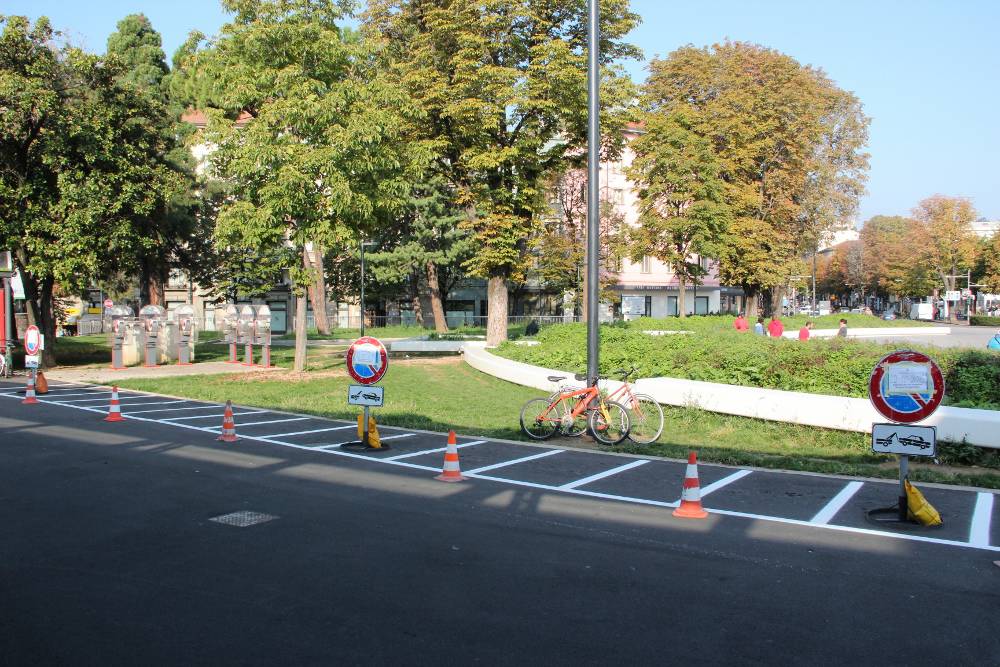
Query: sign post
point(367, 362)
point(905, 387)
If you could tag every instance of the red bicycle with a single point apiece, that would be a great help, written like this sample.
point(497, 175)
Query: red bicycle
point(574, 411)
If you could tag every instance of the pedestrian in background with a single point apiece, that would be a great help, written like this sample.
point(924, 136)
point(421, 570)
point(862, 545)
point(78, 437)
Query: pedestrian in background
point(804, 331)
point(741, 323)
point(759, 327)
point(775, 328)
point(842, 331)
point(994, 343)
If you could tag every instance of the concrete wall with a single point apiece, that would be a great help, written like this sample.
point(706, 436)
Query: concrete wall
point(976, 427)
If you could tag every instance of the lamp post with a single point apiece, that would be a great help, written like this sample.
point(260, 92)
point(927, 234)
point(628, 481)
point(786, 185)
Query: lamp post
point(593, 185)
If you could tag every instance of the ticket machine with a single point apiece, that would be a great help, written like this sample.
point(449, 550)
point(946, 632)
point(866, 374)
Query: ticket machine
point(262, 334)
point(230, 331)
point(248, 315)
point(153, 319)
point(184, 316)
point(121, 319)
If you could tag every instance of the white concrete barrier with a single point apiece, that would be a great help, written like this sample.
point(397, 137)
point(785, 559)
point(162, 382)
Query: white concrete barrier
point(976, 427)
point(874, 332)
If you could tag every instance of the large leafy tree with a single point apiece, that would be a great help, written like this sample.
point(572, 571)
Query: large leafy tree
point(321, 145)
point(682, 211)
point(944, 235)
point(80, 162)
point(789, 145)
point(892, 261)
point(990, 256)
point(503, 86)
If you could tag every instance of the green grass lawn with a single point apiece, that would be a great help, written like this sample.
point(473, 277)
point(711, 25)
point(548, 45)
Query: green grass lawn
point(445, 393)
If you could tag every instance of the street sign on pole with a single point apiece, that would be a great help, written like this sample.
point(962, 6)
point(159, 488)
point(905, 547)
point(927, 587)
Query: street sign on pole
point(372, 397)
point(367, 360)
point(32, 340)
point(906, 386)
point(108, 303)
point(904, 439)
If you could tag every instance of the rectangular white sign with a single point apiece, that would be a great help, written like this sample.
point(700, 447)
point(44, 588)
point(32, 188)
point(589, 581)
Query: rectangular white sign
point(952, 295)
point(904, 439)
point(361, 395)
point(31, 360)
point(367, 356)
point(908, 378)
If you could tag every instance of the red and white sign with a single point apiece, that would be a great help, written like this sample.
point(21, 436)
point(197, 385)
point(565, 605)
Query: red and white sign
point(108, 303)
point(32, 340)
point(906, 386)
point(367, 360)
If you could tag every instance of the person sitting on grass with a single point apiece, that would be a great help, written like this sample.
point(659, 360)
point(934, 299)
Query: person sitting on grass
point(740, 324)
point(804, 331)
point(759, 327)
point(775, 328)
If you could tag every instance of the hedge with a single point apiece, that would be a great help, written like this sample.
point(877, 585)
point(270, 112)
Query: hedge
point(833, 366)
point(984, 321)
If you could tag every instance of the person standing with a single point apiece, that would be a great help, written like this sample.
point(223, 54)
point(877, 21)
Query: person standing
point(804, 331)
point(842, 331)
point(775, 328)
point(741, 323)
point(759, 327)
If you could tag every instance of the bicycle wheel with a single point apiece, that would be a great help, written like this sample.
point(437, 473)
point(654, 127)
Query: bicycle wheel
point(537, 420)
point(569, 425)
point(645, 419)
point(612, 429)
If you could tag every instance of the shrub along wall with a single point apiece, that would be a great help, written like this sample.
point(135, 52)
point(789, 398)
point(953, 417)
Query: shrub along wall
point(836, 366)
point(984, 321)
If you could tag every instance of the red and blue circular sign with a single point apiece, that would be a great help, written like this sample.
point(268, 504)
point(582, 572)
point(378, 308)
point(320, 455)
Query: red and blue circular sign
point(906, 386)
point(367, 360)
point(32, 340)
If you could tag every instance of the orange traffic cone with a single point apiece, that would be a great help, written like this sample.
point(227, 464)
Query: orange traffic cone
point(690, 507)
point(228, 425)
point(451, 471)
point(29, 393)
point(115, 411)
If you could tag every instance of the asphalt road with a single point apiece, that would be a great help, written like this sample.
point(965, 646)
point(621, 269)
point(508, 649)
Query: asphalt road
point(110, 557)
point(973, 338)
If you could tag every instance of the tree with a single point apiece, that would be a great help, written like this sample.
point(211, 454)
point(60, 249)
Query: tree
point(681, 207)
point(892, 256)
point(503, 87)
point(991, 264)
point(789, 145)
point(80, 161)
point(136, 47)
point(944, 235)
point(322, 152)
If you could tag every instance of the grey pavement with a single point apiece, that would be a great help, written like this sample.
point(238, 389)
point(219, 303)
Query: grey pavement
point(108, 376)
point(111, 554)
point(961, 336)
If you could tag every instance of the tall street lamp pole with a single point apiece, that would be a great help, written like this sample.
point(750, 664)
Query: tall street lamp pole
point(593, 184)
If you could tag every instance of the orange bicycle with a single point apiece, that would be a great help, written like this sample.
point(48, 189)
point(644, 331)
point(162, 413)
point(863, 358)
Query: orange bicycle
point(645, 413)
point(572, 412)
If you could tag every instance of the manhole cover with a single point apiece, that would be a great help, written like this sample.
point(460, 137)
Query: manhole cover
point(243, 519)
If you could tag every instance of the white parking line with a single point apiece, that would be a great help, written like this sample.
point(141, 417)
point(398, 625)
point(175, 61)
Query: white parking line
point(103, 398)
point(718, 484)
point(269, 421)
point(171, 420)
point(432, 451)
point(979, 533)
point(602, 475)
point(196, 407)
point(504, 464)
point(830, 510)
point(382, 439)
point(136, 412)
point(315, 430)
point(103, 392)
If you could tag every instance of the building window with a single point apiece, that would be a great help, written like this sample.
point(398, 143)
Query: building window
point(647, 264)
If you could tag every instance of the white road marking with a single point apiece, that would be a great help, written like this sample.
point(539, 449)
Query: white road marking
point(269, 421)
point(136, 412)
point(979, 533)
point(196, 407)
point(315, 430)
point(171, 420)
point(718, 484)
point(504, 464)
point(157, 403)
point(602, 475)
point(836, 503)
point(102, 392)
point(383, 438)
point(432, 451)
point(545, 487)
point(104, 398)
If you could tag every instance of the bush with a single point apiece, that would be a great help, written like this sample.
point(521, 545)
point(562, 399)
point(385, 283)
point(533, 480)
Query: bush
point(984, 321)
point(838, 367)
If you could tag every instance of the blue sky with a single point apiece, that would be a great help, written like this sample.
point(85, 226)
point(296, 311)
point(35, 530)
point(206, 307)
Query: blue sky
point(926, 72)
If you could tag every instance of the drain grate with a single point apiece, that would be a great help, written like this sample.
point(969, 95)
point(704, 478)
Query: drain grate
point(243, 519)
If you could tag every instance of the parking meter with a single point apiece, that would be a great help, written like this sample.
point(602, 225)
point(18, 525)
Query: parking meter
point(120, 315)
point(229, 330)
point(247, 317)
point(262, 334)
point(184, 316)
point(152, 318)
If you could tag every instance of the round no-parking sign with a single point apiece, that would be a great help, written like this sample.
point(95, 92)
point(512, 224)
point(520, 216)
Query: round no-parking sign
point(906, 386)
point(367, 360)
point(32, 340)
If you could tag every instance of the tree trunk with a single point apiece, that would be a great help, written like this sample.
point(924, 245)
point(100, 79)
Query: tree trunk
point(681, 296)
point(300, 323)
point(418, 308)
point(437, 308)
point(317, 291)
point(496, 321)
point(750, 302)
point(157, 283)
